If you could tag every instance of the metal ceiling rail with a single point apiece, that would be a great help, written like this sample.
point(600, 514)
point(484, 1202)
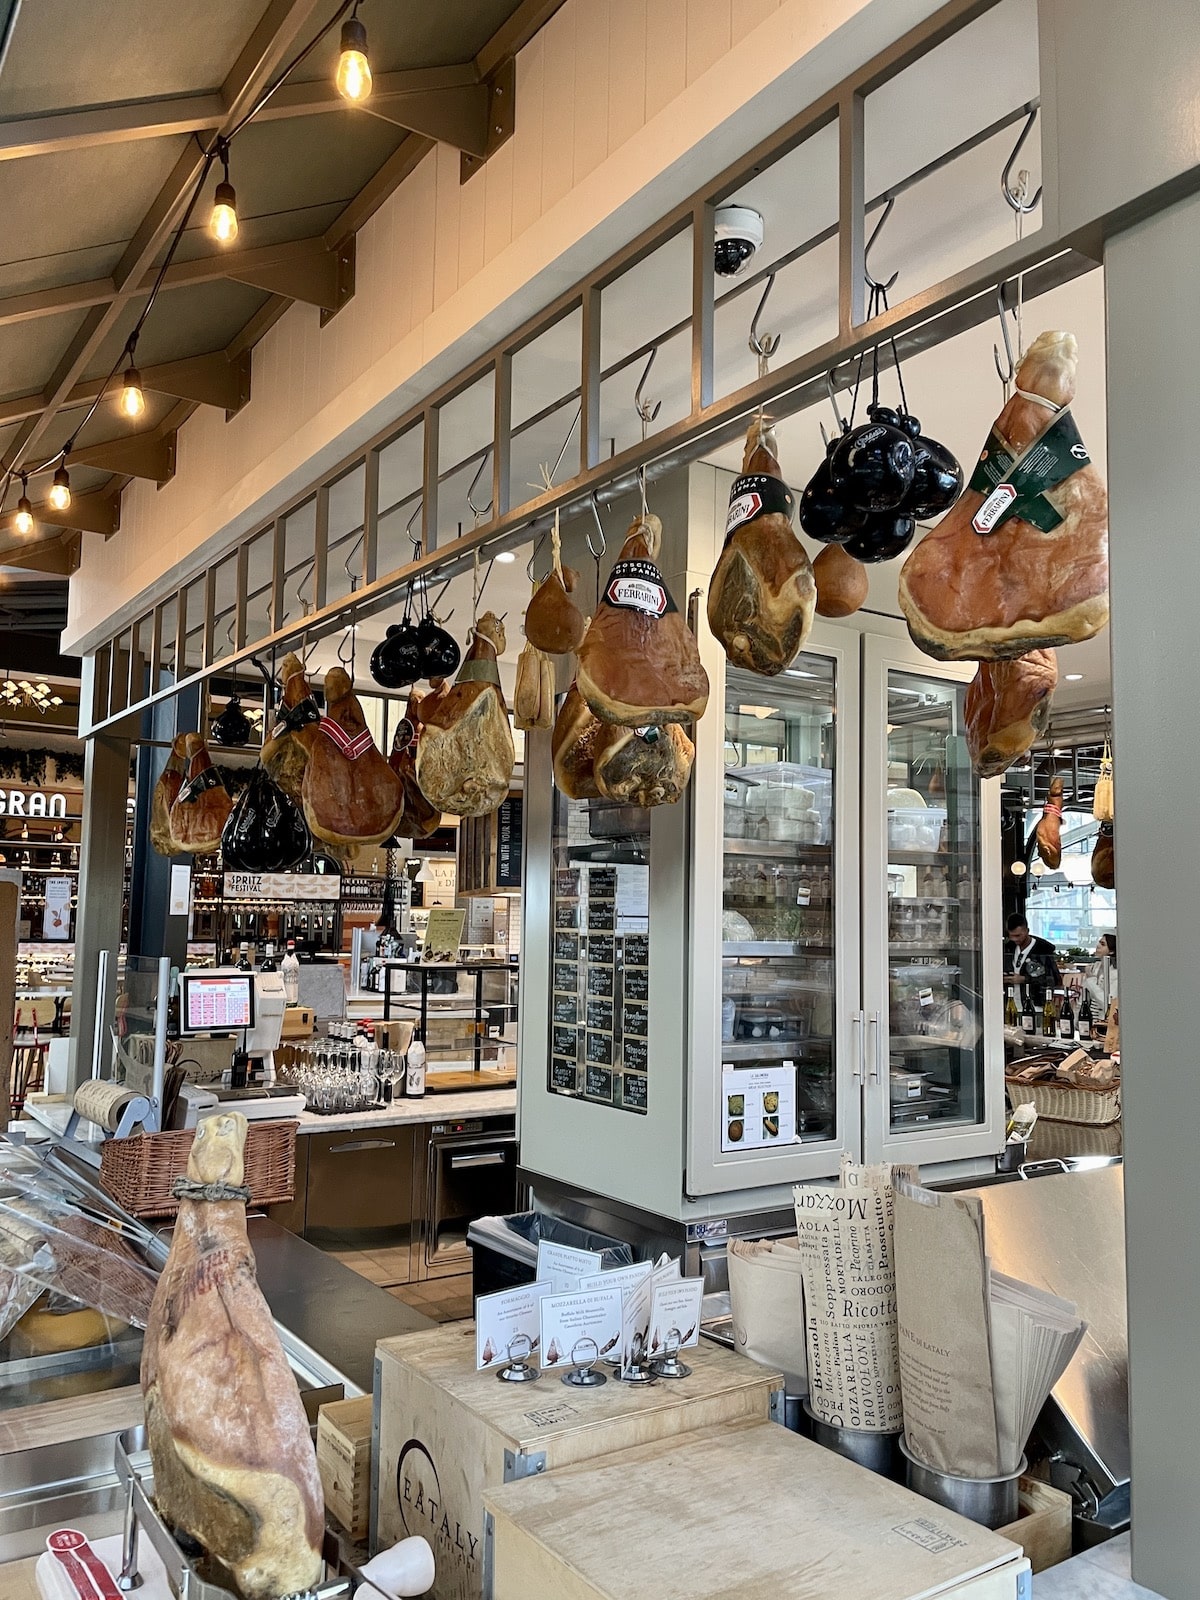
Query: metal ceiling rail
point(944, 309)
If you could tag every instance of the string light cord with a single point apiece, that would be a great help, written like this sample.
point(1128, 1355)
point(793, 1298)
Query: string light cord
point(212, 152)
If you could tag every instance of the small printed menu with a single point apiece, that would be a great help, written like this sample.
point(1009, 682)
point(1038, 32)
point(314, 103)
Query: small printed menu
point(600, 984)
point(758, 1107)
point(501, 1318)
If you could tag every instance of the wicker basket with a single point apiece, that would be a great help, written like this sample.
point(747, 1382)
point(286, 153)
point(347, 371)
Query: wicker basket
point(139, 1172)
point(1096, 1104)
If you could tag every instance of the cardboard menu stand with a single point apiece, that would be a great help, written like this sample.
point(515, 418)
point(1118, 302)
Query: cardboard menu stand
point(446, 1433)
point(742, 1511)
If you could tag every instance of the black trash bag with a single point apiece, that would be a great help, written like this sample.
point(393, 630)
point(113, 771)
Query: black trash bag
point(266, 831)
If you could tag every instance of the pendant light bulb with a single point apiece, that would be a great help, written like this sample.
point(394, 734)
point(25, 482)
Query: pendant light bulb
point(60, 490)
point(23, 521)
point(353, 76)
point(133, 401)
point(223, 224)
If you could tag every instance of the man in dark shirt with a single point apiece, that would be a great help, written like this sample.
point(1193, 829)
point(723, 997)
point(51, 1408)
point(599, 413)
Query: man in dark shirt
point(1030, 961)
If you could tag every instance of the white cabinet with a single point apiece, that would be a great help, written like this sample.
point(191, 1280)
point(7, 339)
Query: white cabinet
point(822, 940)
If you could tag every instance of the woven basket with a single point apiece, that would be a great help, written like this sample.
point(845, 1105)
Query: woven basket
point(140, 1171)
point(1095, 1104)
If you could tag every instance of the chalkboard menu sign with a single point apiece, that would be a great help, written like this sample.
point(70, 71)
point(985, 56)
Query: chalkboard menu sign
point(600, 1000)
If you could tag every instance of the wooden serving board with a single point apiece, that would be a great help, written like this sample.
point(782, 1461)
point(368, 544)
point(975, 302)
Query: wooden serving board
point(76, 1417)
point(744, 1511)
point(456, 1082)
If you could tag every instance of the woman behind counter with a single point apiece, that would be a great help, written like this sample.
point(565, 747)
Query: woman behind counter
point(1101, 980)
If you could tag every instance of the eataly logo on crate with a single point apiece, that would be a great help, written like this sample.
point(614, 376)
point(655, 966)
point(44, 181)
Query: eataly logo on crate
point(419, 1493)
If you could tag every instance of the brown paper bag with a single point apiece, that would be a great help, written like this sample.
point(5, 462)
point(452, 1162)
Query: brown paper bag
point(766, 1300)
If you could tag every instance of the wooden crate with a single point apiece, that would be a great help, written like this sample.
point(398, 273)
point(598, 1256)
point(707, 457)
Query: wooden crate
point(344, 1460)
point(1043, 1527)
point(737, 1512)
point(298, 1022)
point(447, 1432)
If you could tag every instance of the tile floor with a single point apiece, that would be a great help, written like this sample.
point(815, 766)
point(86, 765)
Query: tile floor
point(443, 1299)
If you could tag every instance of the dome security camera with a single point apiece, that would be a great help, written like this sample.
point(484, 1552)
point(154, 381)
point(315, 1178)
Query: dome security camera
point(738, 234)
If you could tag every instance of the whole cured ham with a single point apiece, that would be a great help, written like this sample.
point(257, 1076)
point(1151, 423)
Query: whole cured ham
point(1021, 562)
point(201, 808)
point(418, 819)
point(285, 754)
point(643, 767)
point(638, 663)
point(842, 582)
point(1104, 859)
point(234, 1463)
point(165, 791)
point(1048, 832)
point(1007, 707)
point(350, 794)
point(762, 593)
point(465, 754)
point(573, 747)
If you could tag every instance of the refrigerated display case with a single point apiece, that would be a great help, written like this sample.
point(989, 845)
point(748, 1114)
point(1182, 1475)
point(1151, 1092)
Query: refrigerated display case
point(823, 944)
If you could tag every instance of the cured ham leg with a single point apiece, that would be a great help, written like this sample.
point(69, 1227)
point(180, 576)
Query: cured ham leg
point(197, 818)
point(465, 755)
point(649, 768)
point(573, 747)
point(1049, 830)
point(553, 622)
point(1021, 562)
point(638, 663)
point(234, 1464)
point(351, 796)
point(1007, 707)
point(285, 754)
point(762, 593)
point(165, 792)
point(418, 819)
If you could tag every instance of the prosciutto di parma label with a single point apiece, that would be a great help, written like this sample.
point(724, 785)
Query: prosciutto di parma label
point(638, 586)
point(1015, 486)
point(89, 1578)
point(756, 495)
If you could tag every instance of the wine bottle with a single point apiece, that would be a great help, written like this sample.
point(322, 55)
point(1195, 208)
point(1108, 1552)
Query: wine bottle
point(1066, 1021)
point(1012, 1016)
point(1028, 1014)
point(1049, 1016)
point(1086, 1018)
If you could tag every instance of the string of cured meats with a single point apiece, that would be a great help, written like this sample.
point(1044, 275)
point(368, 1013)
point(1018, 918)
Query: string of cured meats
point(762, 592)
point(234, 1463)
point(1021, 563)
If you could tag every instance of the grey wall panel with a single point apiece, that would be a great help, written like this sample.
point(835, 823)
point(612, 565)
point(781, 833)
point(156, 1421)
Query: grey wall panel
point(1154, 389)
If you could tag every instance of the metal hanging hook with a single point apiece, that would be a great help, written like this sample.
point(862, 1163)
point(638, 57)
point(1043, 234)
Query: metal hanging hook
point(595, 505)
point(416, 543)
point(479, 512)
point(1006, 370)
point(763, 345)
point(1015, 197)
point(567, 440)
point(831, 391)
point(645, 410)
point(872, 282)
point(532, 562)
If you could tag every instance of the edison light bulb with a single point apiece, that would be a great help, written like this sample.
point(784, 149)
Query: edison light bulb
point(223, 224)
point(353, 77)
point(60, 490)
point(23, 521)
point(133, 401)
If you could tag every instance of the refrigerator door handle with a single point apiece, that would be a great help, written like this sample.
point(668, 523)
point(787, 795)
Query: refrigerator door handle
point(856, 1048)
point(875, 1056)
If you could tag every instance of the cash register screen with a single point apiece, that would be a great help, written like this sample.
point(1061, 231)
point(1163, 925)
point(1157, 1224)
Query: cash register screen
point(217, 1002)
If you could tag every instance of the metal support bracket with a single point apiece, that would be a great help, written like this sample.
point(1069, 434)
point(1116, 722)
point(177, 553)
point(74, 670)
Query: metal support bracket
point(777, 1406)
point(343, 284)
point(140, 455)
point(518, 1464)
point(209, 380)
point(488, 1575)
point(501, 118)
point(323, 278)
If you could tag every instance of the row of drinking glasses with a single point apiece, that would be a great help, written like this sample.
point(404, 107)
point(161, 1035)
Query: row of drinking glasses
point(335, 1077)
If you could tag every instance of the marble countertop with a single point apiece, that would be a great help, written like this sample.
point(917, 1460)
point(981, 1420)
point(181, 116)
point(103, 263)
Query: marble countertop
point(1098, 1574)
point(432, 1108)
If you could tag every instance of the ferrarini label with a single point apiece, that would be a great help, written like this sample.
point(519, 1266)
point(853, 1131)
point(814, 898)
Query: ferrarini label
point(638, 586)
point(752, 495)
point(993, 508)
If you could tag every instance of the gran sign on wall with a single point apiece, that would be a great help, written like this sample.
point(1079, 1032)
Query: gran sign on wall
point(35, 803)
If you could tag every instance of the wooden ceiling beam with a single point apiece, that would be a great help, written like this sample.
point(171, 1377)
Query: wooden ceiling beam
point(88, 513)
point(55, 132)
point(216, 379)
point(269, 46)
point(137, 455)
point(59, 554)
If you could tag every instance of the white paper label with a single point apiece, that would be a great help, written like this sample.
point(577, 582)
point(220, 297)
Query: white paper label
point(502, 1317)
point(576, 1323)
point(993, 508)
point(675, 1307)
point(562, 1267)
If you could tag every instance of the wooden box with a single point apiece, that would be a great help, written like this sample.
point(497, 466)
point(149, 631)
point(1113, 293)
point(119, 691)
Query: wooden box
point(1043, 1528)
point(297, 1022)
point(344, 1461)
point(737, 1512)
point(447, 1432)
